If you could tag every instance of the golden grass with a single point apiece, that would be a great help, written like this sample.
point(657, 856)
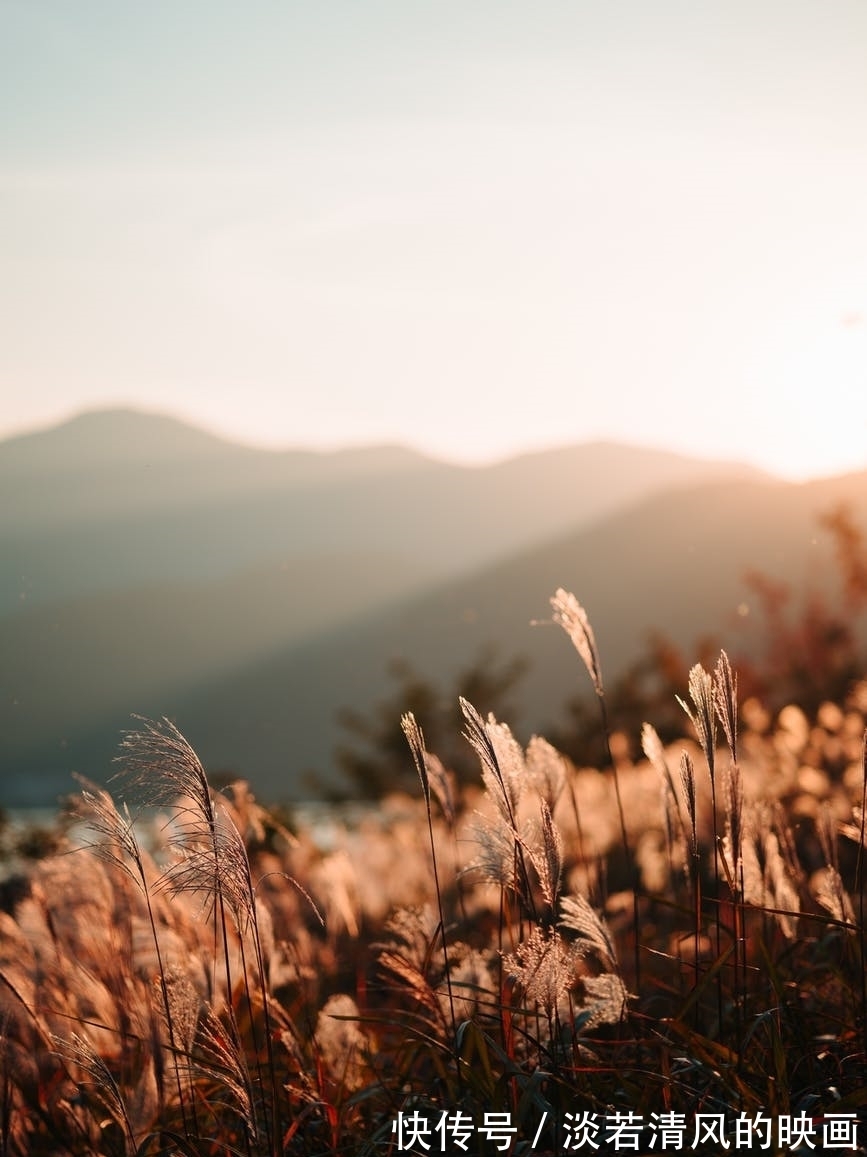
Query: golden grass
point(688, 935)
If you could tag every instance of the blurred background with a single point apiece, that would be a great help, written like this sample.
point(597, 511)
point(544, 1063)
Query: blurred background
point(335, 337)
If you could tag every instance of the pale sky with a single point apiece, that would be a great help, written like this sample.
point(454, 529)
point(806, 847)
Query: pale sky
point(475, 228)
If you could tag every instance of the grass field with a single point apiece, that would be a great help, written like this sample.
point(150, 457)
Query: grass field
point(665, 953)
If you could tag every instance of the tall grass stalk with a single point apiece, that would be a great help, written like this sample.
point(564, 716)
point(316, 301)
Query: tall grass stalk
point(212, 865)
point(703, 716)
point(119, 845)
point(571, 616)
point(415, 739)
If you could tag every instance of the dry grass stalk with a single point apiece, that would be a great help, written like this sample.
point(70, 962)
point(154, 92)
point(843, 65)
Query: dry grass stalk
point(571, 616)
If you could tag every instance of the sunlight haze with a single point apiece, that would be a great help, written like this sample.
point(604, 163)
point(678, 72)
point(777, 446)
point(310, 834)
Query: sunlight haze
point(475, 230)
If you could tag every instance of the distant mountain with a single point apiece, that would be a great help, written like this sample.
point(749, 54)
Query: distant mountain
point(115, 500)
point(674, 564)
point(117, 464)
point(67, 665)
point(264, 704)
point(98, 438)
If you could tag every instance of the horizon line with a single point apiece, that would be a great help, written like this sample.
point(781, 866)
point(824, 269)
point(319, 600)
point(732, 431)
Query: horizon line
point(481, 462)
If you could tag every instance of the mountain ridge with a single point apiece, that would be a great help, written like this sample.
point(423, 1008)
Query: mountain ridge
point(673, 561)
point(121, 521)
point(117, 433)
point(100, 427)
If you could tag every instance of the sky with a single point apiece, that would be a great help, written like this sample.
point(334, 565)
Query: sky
point(473, 228)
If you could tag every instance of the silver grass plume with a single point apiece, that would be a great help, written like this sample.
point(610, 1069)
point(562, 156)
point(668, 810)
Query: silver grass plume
point(504, 774)
point(687, 779)
point(578, 916)
point(415, 739)
point(341, 1043)
point(480, 738)
point(609, 996)
point(159, 761)
point(754, 849)
point(411, 982)
point(784, 868)
point(787, 843)
point(780, 887)
point(81, 1052)
point(702, 714)
point(182, 1016)
point(544, 966)
point(212, 859)
point(545, 849)
point(495, 860)
point(441, 786)
point(571, 616)
point(829, 890)
point(410, 932)
point(433, 775)
point(219, 1056)
point(725, 695)
point(510, 759)
point(654, 752)
point(119, 844)
point(734, 825)
point(546, 769)
point(406, 958)
point(830, 893)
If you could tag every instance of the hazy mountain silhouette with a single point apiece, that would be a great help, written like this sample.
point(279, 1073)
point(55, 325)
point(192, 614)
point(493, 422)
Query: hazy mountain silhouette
point(115, 500)
point(674, 564)
point(255, 663)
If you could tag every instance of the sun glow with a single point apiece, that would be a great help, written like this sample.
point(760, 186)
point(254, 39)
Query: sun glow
point(815, 376)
